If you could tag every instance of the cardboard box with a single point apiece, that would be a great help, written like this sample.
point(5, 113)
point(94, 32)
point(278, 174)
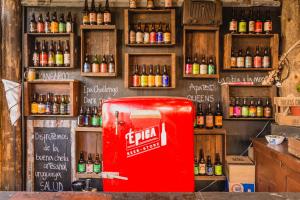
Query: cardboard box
point(294, 146)
point(240, 172)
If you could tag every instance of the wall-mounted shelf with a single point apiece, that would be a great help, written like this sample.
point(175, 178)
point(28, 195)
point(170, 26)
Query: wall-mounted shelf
point(210, 178)
point(85, 175)
point(88, 129)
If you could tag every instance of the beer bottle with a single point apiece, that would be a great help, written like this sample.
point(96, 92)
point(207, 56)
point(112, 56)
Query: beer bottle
point(48, 106)
point(81, 166)
point(165, 77)
point(43, 55)
point(158, 77)
point(85, 14)
point(231, 107)
point(218, 117)
point(56, 106)
point(41, 105)
point(251, 22)
point(218, 166)
point(240, 59)
point(93, 14)
point(33, 24)
point(144, 77)
point(139, 34)
point(203, 65)
point(132, 35)
point(196, 66)
point(100, 19)
point(259, 109)
point(111, 65)
point(107, 14)
point(233, 22)
point(150, 4)
point(69, 23)
point(196, 167)
point(237, 111)
point(202, 164)
point(95, 118)
point(209, 118)
point(40, 24)
point(59, 57)
point(209, 167)
point(80, 118)
point(97, 165)
point(62, 109)
point(47, 23)
point(136, 77)
point(34, 104)
point(62, 24)
point(89, 164)
point(95, 65)
point(51, 55)
point(242, 23)
point(252, 109)
point(100, 112)
point(257, 58)
point(153, 36)
point(188, 66)
point(86, 65)
point(87, 117)
point(146, 34)
point(258, 23)
point(160, 35)
point(67, 55)
point(233, 59)
point(200, 117)
point(67, 104)
point(151, 81)
point(211, 66)
point(268, 23)
point(248, 59)
point(245, 109)
point(54, 23)
point(268, 110)
point(36, 55)
point(266, 63)
point(103, 65)
point(167, 35)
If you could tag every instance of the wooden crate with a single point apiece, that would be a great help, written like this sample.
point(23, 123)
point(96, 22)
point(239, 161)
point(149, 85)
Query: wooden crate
point(132, 59)
point(31, 38)
point(99, 40)
point(294, 146)
point(88, 140)
point(59, 87)
point(165, 16)
point(243, 41)
point(282, 105)
point(201, 40)
point(212, 141)
point(244, 91)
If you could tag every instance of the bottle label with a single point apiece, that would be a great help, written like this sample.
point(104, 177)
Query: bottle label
point(62, 109)
point(85, 19)
point(231, 111)
point(132, 4)
point(160, 37)
point(200, 120)
point(35, 59)
point(266, 61)
point(95, 67)
point(136, 81)
point(32, 27)
point(153, 37)
point(86, 67)
point(245, 111)
point(89, 168)
point(242, 27)
point(248, 62)
point(167, 37)
point(259, 111)
point(252, 111)
point(69, 27)
point(41, 108)
point(188, 69)
point(257, 62)
point(219, 120)
point(54, 27)
point(209, 171)
point(67, 59)
point(168, 3)
point(258, 27)
point(267, 112)
point(93, 18)
point(218, 170)
point(48, 109)
point(233, 62)
point(40, 28)
point(158, 80)
point(150, 4)
point(59, 59)
point(268, 26)
point(43, 59)
point(237, 111)
point(233, 26)
point(87, 121)
point(240, 62)
point(47, 27)
point(132, 37)
point(97, 168)
point(139, 37)
point(107, 17)
point(203, 69)
point(144, 80)
point(196, 68)
point(151, 81)
point(100, 19)
point(202, 168)
point(55, 108)
point(95, 121)
point(196, 170)
point(103, 68)
point(111, 68)
point(211, 69)
point(165, 81)
point(51, 59)
point(146, 37)
point(209, 121)
point(251, 26)
point(62, 28)
point(34, 108)
point(81, 168)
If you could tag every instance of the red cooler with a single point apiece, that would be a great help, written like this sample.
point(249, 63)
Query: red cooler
point(148, 145)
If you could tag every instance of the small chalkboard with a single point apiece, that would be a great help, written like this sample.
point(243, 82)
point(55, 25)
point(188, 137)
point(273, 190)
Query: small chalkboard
point(52, 159)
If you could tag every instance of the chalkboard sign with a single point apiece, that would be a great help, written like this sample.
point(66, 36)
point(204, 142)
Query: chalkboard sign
point(52, 159)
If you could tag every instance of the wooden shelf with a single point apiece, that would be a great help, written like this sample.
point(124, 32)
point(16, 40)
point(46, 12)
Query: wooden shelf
point(66, 81)
point(151, 88)
point(248, 69)
point(88, 129)
point(98, 74)
point(249, 119)
point(31, 38)
point(44, 115)
point(165, 16)
point(207, 76)
point(244, 41)
point(210, 178)
point(201, 40)
point(97, 27)
point(85, 175)
point(214, 131)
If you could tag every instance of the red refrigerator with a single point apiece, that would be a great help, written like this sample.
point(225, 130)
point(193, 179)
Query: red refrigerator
point(148, 145)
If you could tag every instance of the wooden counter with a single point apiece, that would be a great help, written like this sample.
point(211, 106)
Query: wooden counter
point(276, 169)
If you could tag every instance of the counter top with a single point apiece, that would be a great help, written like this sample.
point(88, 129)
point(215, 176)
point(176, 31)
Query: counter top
point(147, 196)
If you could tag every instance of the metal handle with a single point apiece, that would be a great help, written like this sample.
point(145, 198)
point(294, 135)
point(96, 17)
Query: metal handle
point(116, 121)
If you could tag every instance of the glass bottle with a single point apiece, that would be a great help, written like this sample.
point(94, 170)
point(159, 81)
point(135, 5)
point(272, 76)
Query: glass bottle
point(248, 59)
point(188, 66)
point(95, 65)
point(259, 109)
point(103, 65)
point(56, 106)
point(62, 24)
point(196, 66)
point(251, 22)
point(111, 65)
point(87, 117)
point(242, 23)
point(245, 109)
point(240, 59)
point(40, 24)
point(218, 166)
point(81, 166)
point(266, 59)
point(268, 109)
point(231, 107)
point(153, 34)
point(89, 164)
point(196, 166)
point(159, 34)
point(257, 58)
point(233, 22)
point(144, 77)
point(136, 77)
point(59, 57)
point(146, 34)
point(54, 23)
point(48, 106)
point(87, 66)
point(69, 23)
point(233, 59)
point(47, 23)
point(43, 55)
point(80, 118)
point(67, 55)
point(139, 34)
point(158, 77)
point(252, 109)
point(33, 24)
point(203, 65)
point(268, 26)
point(67, 105)
point(93, 14)
point(209, 118)
point(202, 164)
point(95, 118)
point(209, 167)
point(168, 3)
point(200, 117)
point(97, 165)
point(150, 4)
point(165, 77)
point(36, 55)
point(132, 35)
point(132, 4)
point(218, 117)
point(100, 16)
point(258, 23)
point(62, 109)
point(41, 105)
point(34, 104)
point(167, 35)
point(211, 66)
point(151, 79)
point(237, 112)
point(51, 55)
point(85, 14)
point(107, 14)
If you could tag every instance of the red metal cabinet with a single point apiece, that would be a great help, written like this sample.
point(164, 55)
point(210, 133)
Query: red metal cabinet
point(152, 145)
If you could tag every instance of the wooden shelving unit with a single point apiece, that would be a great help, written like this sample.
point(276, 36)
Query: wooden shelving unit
point(132, 59)
point(246, 91)
point(31, 38)
point(201, 40)
point(243, 41)
point(165, 16)
point(99, 40)
point(85, 175)
point(89, 129)
point(210, 178)
point(214, 131)
point(58, 87)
